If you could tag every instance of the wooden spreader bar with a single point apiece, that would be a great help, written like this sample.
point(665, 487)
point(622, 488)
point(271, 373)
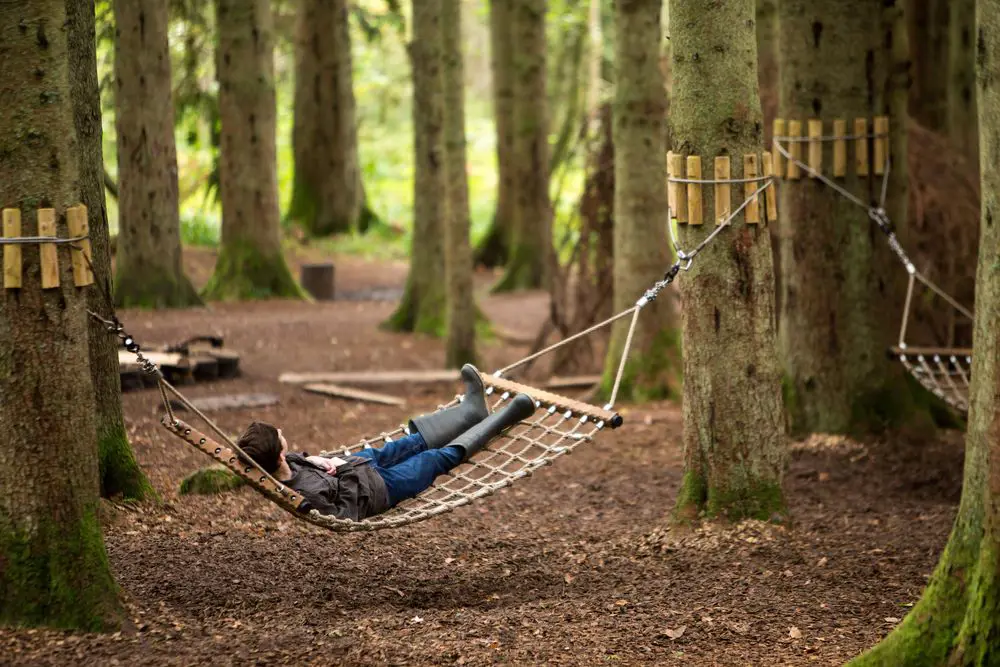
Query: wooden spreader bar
point(80, 256)
point(612, 419)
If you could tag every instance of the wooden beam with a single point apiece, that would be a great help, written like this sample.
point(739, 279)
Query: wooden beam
point(49, 255)
point(374, 377)
point(339, 391)
point(76, 220)
point(11, 253)
point(573, 381)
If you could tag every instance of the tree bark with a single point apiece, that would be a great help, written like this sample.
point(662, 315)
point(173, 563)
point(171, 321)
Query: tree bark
point(927, 26)
point(423, 306)
point(120, 474)
point(767, 58)
point(149, 269)
point(326, 193)
point(733, 424)
point(529, 263)
point(963, 117)
point(842, 287)
point(251, 264)
point(460, 346)
point(957, 620)
point(641, 252)
point(494, 250)
point(53, 564)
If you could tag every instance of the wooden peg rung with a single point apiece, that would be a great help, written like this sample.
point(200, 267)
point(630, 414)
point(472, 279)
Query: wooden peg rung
point(861, 145)
point(678, 189)
point(47, 251)
point(752, 211)
point(881, 144)
point(11, 253)
point(694, 190)
point(794, 148)
point(76, 220)
point(723, 191)
point(815, 146)
point(840, 148)
point(779, 131)
point(770, 196)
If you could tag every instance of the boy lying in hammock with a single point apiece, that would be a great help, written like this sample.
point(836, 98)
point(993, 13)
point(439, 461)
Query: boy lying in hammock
point(372, 481)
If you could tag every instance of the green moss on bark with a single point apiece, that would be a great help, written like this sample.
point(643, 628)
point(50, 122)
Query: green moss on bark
point(121, 475)
point(211, 481)
point(244, 272)
point(691, 498)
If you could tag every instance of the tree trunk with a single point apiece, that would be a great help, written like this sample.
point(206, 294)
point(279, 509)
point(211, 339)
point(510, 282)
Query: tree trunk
point(149, 269)
point(53, 564)
point(494, 250)
point(927, 26)
point(326, 194)
point(251, 264)
point(733, 424)
point(641, 253)
point(423, 306)
point(528, 265)
point(961, 95)
point(767, 58)
point(957, 621)
point(120, 474)
point(841, 284)
point(460, 347)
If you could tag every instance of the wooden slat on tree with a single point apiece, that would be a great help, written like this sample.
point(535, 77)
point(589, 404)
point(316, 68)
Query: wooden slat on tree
point(840, 148)
point(779, 131)
point(11, 253)
point(752, 211)
point(678, 189)
point(861, 145)
point(340, 391)
point(723, 191)
point(794, 148)
point(694, 190)
point(373, 377)
point(770, 195)
point(815, 146)
point(881, 144)
point(76, 220)
point(47, 251)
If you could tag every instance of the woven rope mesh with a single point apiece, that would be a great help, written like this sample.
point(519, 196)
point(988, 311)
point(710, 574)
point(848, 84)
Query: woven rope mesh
point(947, 377)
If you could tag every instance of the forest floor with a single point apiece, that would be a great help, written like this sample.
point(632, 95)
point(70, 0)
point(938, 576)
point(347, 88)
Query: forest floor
point(574, 566)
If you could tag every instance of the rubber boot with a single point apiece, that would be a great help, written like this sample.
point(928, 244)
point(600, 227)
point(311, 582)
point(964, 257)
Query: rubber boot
point(440, 428)
point(476, 437)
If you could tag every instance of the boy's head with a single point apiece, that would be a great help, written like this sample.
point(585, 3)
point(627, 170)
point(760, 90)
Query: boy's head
point(264, 444)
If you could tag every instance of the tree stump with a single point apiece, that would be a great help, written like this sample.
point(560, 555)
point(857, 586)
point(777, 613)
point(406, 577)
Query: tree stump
point(317, 279)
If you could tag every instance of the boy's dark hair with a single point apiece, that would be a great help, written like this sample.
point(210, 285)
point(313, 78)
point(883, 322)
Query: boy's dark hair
point(261, 443)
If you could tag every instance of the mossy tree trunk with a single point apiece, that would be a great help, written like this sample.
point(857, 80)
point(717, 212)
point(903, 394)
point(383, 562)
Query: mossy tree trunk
point(120, 474)
point(928, 28)
point(494, 249)
point(53, 565)
point(326, 194)
point(149, 270)
point(767, 59)
point(423, 307)
point(529, 262)
point(957, 620)
point(842, 287)
point(251, 264)
point(641, 252)
point(460, 346)
point(963, 117)
point(733, 423)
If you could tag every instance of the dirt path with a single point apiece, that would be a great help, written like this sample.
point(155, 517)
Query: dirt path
point(569, 567)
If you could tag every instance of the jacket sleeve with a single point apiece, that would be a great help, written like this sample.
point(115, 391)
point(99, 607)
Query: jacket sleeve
point(322, 491)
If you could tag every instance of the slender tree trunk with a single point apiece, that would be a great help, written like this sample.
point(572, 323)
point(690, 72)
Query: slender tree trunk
point(962, 117)
point(495, 247)
point(53, 565)
point(423, 306)
point(733, 424)
point(149, 269)
point(327, 194)
point(957, 621)
point(641, 253)
point(841, 284)
point(927, 27)
point(251, 263)
point(120, 474)
point(530, 257)
point(460, 347)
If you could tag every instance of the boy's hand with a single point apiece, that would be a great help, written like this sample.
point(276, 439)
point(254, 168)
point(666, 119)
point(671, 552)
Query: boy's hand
point(326, 464)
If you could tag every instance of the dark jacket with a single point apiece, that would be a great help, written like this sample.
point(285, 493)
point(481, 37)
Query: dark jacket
point(356, 492)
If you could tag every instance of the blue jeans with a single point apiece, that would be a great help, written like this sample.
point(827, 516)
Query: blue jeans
point(408, 467)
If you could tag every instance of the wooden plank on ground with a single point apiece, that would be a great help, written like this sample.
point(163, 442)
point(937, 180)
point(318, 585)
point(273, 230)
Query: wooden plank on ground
point(228, 402)
point(338, 391)
point(572, 381)
point(373, 377)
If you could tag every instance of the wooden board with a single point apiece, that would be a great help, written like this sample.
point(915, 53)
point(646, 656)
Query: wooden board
point(338, 391)
point(572, 381)
point(373, 377)
point(228, 402)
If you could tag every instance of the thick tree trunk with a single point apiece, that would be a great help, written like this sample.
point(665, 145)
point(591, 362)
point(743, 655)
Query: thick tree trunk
point(957, 621)
point(841, 284)
point(327, 194)
point(962, 117)
point(120, 474)
point(767, 58)
point(494, 249)
point(530, 257)
point(927, 27)
point(149, 269)
point(423, 306)
point(251, 264)
point(460, 347)
point(53, 565)
point(641, 252)
point(733, 424)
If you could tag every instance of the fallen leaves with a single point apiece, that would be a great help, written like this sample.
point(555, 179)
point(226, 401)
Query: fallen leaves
point(794, 633)
point(675, 633)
